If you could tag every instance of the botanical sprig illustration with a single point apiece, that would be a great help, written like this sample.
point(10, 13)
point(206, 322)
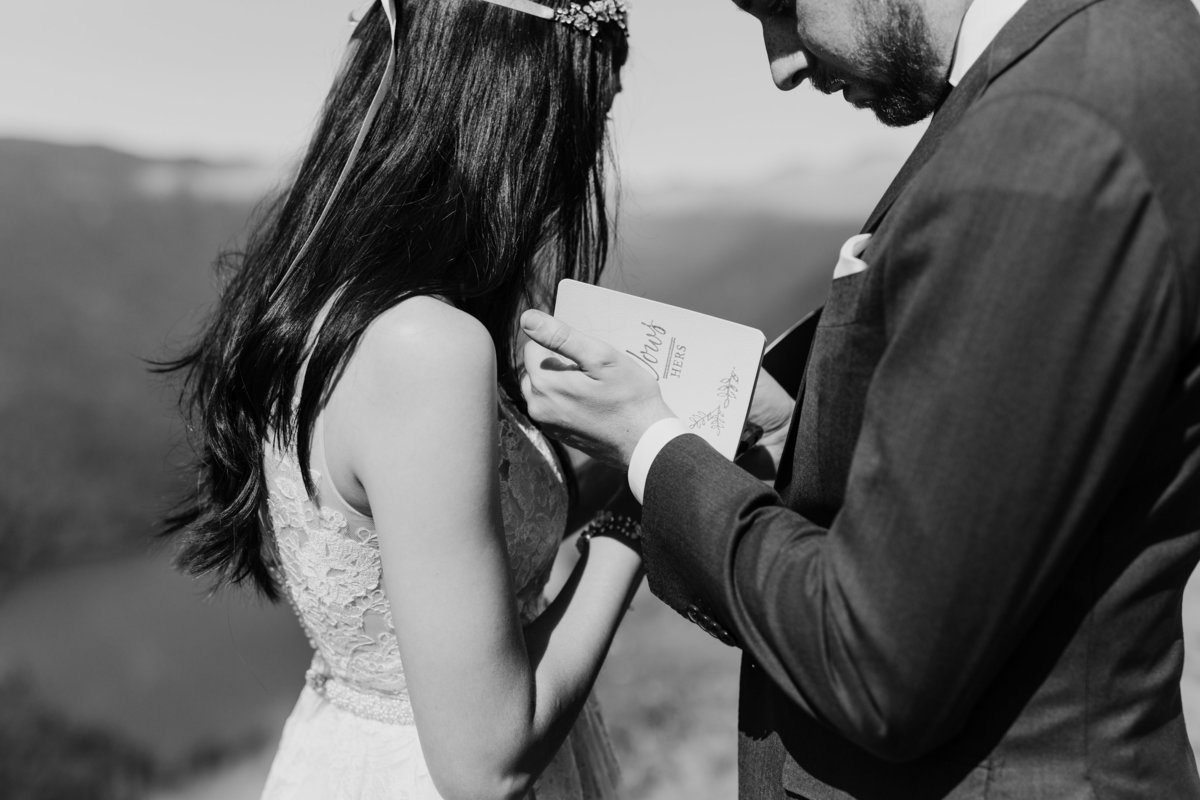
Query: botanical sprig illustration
point(715, 420)
point(727, 392)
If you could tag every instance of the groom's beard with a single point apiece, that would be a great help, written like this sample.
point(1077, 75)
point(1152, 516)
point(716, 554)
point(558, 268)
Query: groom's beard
point(905, 81)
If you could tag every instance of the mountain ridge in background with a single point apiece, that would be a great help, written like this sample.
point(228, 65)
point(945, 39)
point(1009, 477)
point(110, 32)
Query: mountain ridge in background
point(125, 676)
point(108, 258)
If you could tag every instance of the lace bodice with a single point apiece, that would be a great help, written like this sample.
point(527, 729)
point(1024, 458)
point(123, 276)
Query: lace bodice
point(329, 565)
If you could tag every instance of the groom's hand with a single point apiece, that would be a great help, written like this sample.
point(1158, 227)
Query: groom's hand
point(771, 409)
point(585, 393)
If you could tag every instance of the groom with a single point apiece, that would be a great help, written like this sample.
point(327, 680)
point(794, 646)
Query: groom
point(967, 581)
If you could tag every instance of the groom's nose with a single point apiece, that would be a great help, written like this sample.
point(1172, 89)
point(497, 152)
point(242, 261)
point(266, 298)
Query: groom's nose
point(788, 59)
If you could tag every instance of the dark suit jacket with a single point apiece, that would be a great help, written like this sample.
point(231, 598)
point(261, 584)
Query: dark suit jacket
point(968, 580)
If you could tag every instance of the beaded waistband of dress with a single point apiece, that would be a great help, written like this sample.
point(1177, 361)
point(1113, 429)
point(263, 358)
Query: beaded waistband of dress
point(393, 709)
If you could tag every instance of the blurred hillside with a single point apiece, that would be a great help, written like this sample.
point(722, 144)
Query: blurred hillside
point(116, 677)
point(107, 258)
point(100, 273)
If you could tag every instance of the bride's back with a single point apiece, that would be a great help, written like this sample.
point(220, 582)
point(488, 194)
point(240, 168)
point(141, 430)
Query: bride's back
point(327, 548)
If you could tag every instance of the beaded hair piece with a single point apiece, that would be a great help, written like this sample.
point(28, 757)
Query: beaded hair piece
point(586, 18)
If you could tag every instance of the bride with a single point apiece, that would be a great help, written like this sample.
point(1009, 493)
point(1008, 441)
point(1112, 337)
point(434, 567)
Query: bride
point(362, 446)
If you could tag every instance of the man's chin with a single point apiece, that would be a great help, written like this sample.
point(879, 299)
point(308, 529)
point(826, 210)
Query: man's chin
point(896, 110)
point(900, 112)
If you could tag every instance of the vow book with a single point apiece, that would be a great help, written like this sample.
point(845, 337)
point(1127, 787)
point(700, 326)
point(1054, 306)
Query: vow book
point(705, 366)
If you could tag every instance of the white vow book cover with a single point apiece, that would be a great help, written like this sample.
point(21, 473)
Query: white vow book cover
point(706, 366)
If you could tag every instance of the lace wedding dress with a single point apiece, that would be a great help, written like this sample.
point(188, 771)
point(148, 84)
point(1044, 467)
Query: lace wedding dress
point(351, 735)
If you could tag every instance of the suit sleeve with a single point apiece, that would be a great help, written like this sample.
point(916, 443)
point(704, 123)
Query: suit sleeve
point(1033, 328)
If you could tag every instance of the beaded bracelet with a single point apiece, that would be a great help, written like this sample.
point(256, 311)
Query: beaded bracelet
point(606, 523)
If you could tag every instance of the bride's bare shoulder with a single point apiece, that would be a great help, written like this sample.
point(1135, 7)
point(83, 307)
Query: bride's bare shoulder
point(422, 379)
point(424, 344)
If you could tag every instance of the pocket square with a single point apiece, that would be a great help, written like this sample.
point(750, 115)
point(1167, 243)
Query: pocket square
point(849, 262)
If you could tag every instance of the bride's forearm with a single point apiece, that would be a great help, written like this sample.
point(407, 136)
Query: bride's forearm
point(518, 724)
point(567, 643)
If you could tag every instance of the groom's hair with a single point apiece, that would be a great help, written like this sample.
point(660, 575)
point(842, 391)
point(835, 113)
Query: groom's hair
point(481, 181)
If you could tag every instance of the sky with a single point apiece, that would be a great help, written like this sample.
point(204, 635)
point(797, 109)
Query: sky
point(243, 79)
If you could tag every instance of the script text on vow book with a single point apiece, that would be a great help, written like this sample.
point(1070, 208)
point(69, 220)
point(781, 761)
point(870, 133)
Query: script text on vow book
point(705, 366)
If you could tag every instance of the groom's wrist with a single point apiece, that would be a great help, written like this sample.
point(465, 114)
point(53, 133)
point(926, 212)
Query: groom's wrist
point(651, 443)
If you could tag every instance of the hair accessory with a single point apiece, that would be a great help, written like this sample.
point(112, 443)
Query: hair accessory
point(585, 17)
point(526, 7)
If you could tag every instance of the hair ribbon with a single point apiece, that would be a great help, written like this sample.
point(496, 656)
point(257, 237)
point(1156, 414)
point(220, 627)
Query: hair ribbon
point(526, 7)
point(385, 84)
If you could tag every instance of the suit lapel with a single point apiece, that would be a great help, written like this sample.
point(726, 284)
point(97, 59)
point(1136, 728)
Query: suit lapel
point(951, 112)
point(1031, 24)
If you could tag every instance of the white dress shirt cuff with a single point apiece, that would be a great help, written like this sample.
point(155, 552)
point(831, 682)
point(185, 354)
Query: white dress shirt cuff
point(648, 447)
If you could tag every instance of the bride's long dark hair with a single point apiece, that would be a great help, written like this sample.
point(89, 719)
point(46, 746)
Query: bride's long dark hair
point(481, 181)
